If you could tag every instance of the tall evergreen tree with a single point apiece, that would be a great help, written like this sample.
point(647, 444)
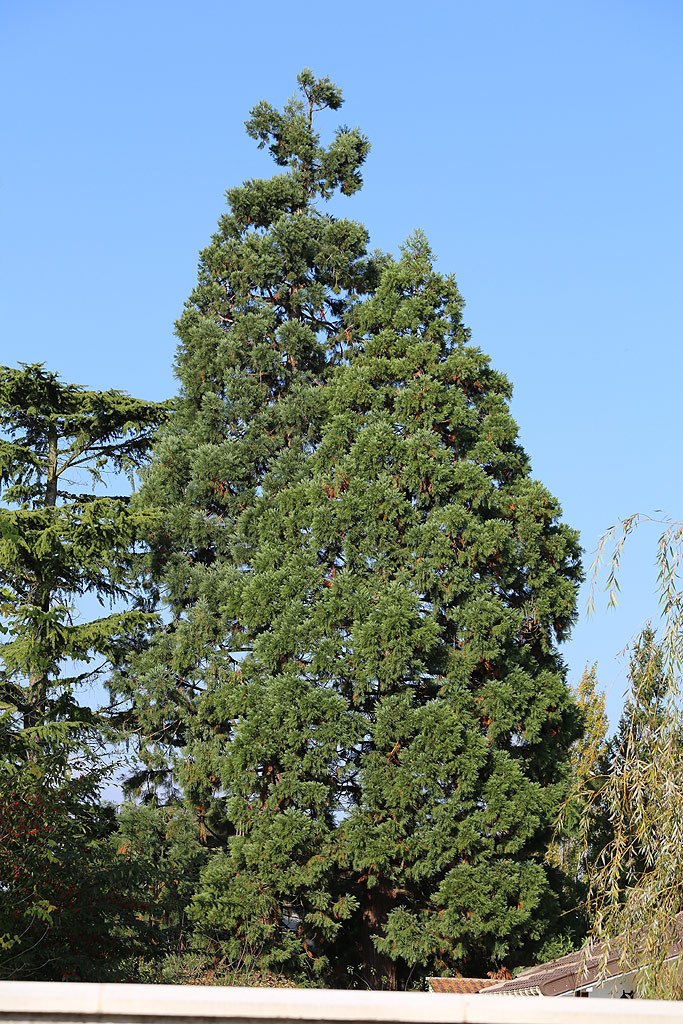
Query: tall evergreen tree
point(359, 676)
point(393, 742)
point(58, 544)
point(258, 339)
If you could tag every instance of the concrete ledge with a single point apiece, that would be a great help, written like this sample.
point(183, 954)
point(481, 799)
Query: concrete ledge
point(74, 1003)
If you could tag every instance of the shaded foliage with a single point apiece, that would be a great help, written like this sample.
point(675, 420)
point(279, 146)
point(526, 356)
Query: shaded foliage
point(66, 903)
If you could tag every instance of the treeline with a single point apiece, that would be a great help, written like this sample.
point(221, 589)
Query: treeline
point(331, 616)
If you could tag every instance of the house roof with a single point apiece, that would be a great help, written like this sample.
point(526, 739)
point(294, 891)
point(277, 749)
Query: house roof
point(461, 985)
point(576, 970)
point(566, 974)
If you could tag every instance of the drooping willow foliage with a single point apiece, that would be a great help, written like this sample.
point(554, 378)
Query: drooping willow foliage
point(634, 877)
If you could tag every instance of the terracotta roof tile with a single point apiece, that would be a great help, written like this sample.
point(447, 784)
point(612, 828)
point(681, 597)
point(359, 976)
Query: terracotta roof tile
point(461, 985)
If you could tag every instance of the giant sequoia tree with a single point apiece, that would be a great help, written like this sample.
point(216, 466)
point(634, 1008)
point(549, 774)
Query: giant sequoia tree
point(367, 590)
point(257, 340)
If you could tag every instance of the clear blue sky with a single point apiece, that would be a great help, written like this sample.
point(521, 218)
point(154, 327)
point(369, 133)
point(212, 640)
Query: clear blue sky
point(538, 144)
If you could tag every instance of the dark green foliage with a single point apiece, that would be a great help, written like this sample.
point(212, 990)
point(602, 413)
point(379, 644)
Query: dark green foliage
point(271, 898)
point(163, 854)
point(87, 895)
point(414, 582)
point(256, 342)
point(69, 911)
point(56, 545)
point(366, 590)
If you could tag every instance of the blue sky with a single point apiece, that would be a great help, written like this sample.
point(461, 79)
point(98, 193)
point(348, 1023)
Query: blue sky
point(538, 144)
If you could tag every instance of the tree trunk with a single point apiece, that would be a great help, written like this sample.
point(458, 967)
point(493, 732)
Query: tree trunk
point(52, 474)
point(37, 677)
point(379, 971)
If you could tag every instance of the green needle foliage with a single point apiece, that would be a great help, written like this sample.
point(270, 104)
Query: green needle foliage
point(257, 340)
point(69, 910)
point(160, 849)
point(366, 590)
point(399, 727)
point(57, 545)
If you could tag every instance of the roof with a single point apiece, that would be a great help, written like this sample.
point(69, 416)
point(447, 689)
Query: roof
point(460, 985)
point(566, 974)
point(575, 970)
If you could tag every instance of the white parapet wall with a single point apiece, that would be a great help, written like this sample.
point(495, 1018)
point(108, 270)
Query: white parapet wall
point(75, 1003)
